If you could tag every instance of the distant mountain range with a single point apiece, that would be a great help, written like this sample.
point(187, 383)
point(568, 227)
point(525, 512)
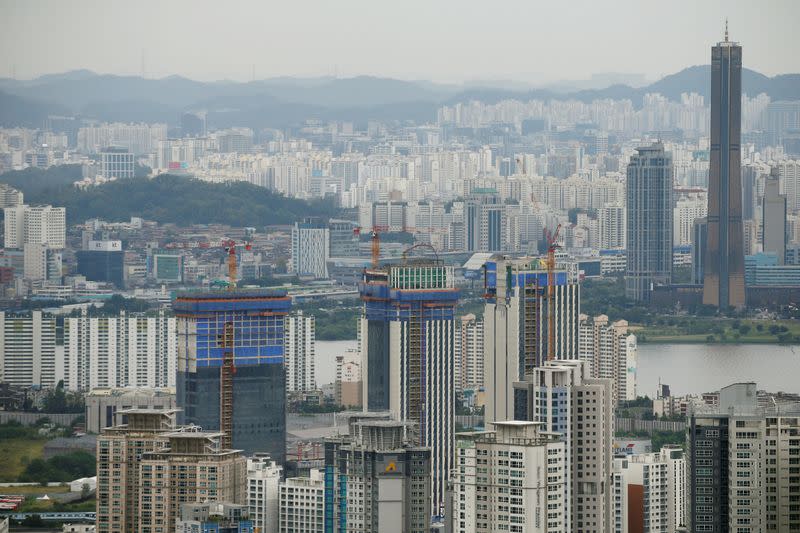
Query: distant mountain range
point(279, 102)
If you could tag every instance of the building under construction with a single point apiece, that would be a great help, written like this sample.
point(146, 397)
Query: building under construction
point(231, 373)
point(531, 315)
point(407, 333)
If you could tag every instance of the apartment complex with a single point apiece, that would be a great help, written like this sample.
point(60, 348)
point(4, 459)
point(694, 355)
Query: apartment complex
point(743, 465)
point(28, 349)
point(510, 479)
point(263, 498)
point(301, 504)
point(610, 351)
point(191, 467)
point(566, 400)
point(121, 351)
point(650, 491)
point(376, 479)
point(119, 451)
point(299, 353)
point(469, 354)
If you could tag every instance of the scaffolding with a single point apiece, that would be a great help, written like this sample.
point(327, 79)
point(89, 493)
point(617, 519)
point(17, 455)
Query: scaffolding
point(226, 372)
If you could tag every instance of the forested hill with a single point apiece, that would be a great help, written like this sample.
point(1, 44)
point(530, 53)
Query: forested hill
point(164, 199)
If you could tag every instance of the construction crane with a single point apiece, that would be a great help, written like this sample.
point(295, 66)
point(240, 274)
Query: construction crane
point(375, 239)
point(417, 246)
point(552, 244)
point(228, 368)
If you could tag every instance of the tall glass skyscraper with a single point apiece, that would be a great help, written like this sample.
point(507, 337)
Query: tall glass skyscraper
point(723, 282)
point(649, 221)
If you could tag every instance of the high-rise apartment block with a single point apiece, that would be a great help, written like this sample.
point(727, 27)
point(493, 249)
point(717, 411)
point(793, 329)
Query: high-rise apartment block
point(28, 349)
point(121, 351)
point(516, 326)
point(610, 351)
point(650, 491)
point(510, 479)
point(10, 197)
point(743, 465)
point(773, 218)
point(469, 354)
point(565, 399)
point(484, 221)
point(723, 284)
point(263, 496)
point(611, 221)
point(300, 355)
point(259, 383)
point(119, 452)
point(649, 221)
point(302, 508)
point(191, 468)
point(310, 248)
point(35, 224)
point(408, 352)
point(376, 480)
point(349, 384)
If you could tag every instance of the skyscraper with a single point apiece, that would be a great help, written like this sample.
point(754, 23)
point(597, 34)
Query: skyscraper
point(300, 343)
point(649, 221)
point(773, 218)
point(723, 282)
point(516, 326)
point(407, 340)
point(310, 248)
point(259, 383)
point(485, 221)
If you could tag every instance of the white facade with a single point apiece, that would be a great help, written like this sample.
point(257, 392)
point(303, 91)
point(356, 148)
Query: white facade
point(123, 351)
point(650, 491)
point(35, 224)
point(611, 353)
point(510, 479)
point(469, 354)
point(302, 506)
point(611, 221)
point(28, 350)
point(566, 400)
point(789, 172)
point(263, 495)
point(688, 208)
point(299, 353)
point(505, 330)
point(310, 250)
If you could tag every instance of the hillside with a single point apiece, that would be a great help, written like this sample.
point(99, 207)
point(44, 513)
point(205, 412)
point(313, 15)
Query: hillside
point(281, 102)
point(166, 199)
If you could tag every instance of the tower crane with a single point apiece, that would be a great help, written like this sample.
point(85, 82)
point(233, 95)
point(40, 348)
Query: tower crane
point(375, 239)
point(552, 244)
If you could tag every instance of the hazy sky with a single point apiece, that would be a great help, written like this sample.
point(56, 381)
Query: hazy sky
point(441, 40)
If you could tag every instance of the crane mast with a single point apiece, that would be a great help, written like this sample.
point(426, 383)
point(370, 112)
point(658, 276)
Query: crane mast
point(552, 244)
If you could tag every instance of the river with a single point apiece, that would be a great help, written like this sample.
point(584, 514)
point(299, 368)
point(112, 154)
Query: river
point(697, 368)
point(686, 368)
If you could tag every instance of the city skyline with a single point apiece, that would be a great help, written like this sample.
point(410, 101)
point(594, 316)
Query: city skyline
point(174, 39)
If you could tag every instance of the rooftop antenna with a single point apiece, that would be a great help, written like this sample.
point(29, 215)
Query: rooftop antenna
point(726, 29)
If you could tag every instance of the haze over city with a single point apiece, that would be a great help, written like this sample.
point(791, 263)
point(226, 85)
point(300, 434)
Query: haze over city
point(449, 41)
point(399, 266)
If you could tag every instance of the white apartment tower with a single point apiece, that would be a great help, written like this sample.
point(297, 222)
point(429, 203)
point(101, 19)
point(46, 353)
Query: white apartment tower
point(469, 354)
point(28, 350)
point(310, 248)
point(299, 353)
point(263, 496)
point(121, 351)
point(302, 508)
point(650, 491)
point(611, 222)
point(35, 224)
point(566, 400)
point(510, 479)
point(610, 352)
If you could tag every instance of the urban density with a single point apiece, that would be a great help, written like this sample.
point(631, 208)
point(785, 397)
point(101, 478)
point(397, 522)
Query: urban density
point(358, 304)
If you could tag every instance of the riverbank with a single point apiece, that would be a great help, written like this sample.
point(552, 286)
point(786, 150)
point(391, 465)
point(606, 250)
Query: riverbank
point(697, 330)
